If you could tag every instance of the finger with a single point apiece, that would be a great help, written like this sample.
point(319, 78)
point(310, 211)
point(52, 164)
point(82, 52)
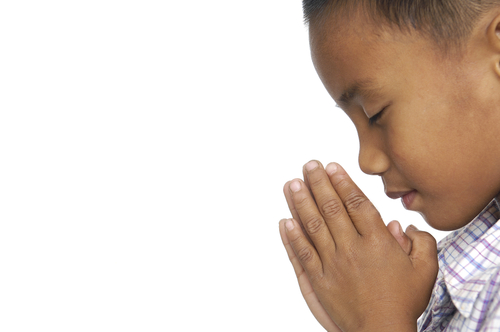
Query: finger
point(424, 251)
point(305, 253)
point(328, 202)
point(297, 267)
point(291, 207)
point(305, 285)
point(404, 241)
point(293, 210)
point(363, 215)
point(312, 219)
point(305, 177)
point(289, 200)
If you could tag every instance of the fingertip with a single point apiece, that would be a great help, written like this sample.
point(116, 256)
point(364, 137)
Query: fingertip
point(295, 186)
point(283, 233)
point(292, 186)
point(404, 240)
point(286, 186)
point(395, 227)
point(289, 225)
point(411, 228)
point(412, 232)
point(331, 168)
point(280, 225)
point(312, 164)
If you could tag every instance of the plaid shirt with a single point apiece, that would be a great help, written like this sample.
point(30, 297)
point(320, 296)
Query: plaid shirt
point(466, 296)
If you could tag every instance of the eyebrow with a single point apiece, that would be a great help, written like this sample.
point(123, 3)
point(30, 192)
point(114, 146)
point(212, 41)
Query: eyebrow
point(365, 88)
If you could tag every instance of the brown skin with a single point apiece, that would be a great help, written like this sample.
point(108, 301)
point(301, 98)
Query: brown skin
point(306, 287)
point(438, 133)
point(350, 270)
point(438, 136)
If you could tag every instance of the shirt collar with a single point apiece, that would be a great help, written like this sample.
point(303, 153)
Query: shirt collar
point(467, 257)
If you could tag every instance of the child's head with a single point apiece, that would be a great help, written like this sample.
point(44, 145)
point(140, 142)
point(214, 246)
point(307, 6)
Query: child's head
point(428, 72)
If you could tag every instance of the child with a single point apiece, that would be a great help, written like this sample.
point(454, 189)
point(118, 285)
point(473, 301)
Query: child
point(420, 80)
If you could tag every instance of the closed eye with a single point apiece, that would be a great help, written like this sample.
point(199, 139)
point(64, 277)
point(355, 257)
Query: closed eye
point(377, 116)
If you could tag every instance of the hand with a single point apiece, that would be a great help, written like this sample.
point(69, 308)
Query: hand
point(306, 288)
point(360, 275)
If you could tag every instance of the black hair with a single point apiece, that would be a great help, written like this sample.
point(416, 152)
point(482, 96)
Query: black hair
point(445, 21)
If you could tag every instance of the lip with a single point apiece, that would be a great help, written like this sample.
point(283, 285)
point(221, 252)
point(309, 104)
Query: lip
point(407, 197)
point(398, 194)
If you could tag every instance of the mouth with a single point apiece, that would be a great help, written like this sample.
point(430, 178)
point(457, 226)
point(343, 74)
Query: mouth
point(407, 197)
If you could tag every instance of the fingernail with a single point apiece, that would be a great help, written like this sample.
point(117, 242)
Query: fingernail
point(331, 168)
point(311, 165)
point(413, 228)
point(295, 186)
point(289, 224)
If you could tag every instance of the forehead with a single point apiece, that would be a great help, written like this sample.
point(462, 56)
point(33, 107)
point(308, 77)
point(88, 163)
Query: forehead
point(359, 56)
point(349, 51)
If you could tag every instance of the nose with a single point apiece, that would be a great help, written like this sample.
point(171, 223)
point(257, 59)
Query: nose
point(372, 159)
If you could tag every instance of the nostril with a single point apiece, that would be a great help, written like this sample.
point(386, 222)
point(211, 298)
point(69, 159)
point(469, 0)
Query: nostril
point(373, 161)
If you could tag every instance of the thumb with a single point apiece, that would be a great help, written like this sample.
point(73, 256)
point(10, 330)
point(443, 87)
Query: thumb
point(397, 232)
point(424, 250)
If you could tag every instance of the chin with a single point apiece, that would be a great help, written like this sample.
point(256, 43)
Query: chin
point(444, 223)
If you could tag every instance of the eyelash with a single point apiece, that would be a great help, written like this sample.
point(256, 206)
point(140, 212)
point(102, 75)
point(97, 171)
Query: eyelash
point(377, 116)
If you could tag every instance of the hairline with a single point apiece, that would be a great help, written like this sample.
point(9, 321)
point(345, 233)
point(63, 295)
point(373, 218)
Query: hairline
point(318, 18)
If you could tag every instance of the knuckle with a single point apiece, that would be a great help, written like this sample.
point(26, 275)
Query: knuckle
point(429, 239)
point(315, 181)
point(355, 200)
point(300, 200)
point(332, 208)
point(314, 225)
point(305, 255)
point(340, 181)
point(295, 239)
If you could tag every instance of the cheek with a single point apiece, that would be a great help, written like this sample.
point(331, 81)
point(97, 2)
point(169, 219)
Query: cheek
point(416, 154)
point(430, 157)
point(403, 142)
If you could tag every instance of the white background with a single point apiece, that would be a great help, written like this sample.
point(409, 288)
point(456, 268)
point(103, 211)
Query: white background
point(143, 150)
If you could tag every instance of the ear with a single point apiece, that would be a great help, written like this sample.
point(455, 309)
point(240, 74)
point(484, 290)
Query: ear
point(494, 41)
